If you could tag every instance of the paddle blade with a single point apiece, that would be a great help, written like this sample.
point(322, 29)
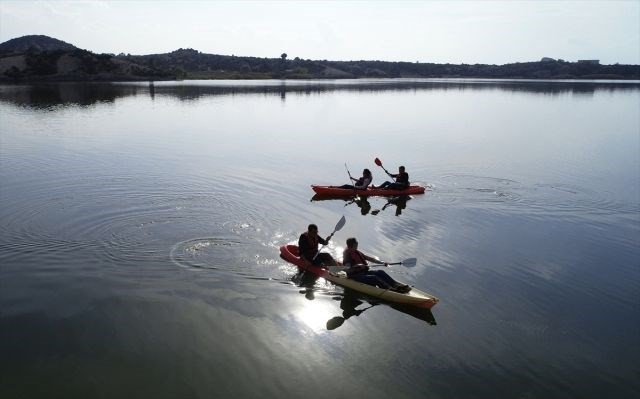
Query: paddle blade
point(411, 262)
point(378, 162)
point(340, 224)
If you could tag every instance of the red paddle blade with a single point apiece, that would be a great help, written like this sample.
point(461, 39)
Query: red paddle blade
point(378, 162)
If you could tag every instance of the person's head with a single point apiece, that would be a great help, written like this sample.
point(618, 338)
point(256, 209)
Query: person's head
point(401, 169)
point(352, 243)
point(312, 229)
point(366, 173)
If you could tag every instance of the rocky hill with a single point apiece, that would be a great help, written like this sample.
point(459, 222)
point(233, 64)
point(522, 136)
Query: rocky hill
point(45, 58)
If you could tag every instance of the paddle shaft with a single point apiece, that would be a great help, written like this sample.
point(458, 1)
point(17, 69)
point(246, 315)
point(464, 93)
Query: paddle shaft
point(379, 163)
point(349, 173)
point(407, 262)
point(338, 227)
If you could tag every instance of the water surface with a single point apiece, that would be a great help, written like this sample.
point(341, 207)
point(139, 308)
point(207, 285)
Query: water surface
point(140, 226)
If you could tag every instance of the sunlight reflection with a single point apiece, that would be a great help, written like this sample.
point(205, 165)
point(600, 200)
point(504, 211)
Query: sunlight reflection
point(338, 251)
point(315, 314)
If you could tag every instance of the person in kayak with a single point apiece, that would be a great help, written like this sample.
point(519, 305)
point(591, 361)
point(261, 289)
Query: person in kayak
point(401, 180)
point(359, 271)
point(362, 183)
point(308, 246)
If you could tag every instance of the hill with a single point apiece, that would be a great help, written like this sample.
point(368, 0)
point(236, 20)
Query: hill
point(44, 58)
point(39, 57)
point(35, 43)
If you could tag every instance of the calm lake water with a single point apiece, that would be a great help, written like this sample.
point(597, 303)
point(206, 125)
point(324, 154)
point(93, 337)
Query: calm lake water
point(140, 226)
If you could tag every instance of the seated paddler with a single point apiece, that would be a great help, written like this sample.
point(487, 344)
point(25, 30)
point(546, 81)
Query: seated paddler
point(358, 269)
point(308, 247)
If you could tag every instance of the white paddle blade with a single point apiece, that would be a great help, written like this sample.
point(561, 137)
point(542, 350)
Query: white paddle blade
point(411, 262)
point(340, 224)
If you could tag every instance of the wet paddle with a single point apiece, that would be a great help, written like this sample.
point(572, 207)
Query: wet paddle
point(339, 227)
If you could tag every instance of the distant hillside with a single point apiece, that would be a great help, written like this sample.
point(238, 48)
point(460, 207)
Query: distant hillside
point(39, 57)
point(44, 58)
point(192, 64)
point(35, 43)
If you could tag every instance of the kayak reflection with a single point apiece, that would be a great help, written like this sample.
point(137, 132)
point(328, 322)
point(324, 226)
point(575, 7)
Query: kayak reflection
point(351, 300)
point(400, 202)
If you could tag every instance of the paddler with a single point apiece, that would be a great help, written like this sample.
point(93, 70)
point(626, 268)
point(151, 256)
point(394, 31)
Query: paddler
point(361, 183)
point(359, 271)
point(308, 245)
point(401, 180)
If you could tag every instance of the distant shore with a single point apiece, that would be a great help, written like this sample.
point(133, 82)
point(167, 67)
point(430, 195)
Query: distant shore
point(41, 58)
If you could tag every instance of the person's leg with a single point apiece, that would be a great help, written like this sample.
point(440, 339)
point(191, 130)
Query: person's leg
point(382, 275)
point(367, 278)
point(385, 184)
point(388, 280)
point(324, 258)
point(396, 186)
point(371, 278)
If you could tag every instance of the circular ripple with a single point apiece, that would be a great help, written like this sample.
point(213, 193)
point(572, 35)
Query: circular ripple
point(212, 253)
point(472, 189)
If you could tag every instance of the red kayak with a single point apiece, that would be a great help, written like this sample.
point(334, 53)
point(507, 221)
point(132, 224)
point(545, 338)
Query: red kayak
point(336, 191)
point(415, 297)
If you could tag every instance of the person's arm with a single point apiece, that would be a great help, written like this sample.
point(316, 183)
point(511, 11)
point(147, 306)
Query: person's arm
point(374, 260)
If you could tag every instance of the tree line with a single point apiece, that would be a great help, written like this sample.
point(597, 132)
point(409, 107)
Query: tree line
point(193, 64)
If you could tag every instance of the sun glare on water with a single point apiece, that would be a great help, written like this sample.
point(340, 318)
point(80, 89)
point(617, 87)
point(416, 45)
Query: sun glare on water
point(315, 314)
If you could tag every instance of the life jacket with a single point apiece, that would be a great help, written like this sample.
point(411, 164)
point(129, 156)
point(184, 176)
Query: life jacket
point(356, 257)
point(402, 178)
point(312, 244)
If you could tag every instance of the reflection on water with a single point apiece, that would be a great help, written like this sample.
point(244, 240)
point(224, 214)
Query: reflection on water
point(351, 300)
point(399, 203)
point(84, 94)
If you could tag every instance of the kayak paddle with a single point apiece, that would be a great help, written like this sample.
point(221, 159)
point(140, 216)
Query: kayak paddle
point(379, 163)
point(411, 262)
point(339, 227)
point(349, 173)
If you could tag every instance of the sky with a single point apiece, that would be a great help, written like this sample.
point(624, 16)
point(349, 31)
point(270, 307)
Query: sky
point(438, 31)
